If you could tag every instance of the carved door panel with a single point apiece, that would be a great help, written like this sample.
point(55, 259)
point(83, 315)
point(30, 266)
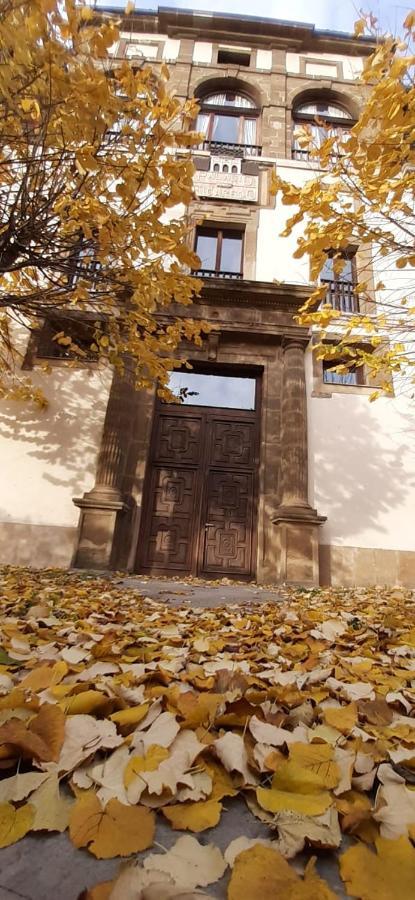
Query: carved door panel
point(200, 496)
point(167, 535)
point(229, 494)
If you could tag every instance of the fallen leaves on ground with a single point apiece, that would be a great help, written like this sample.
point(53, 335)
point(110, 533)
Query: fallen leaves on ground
point(116, 711)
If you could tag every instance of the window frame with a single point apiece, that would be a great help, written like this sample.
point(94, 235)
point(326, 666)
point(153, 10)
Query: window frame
point(218, 231)
point(339, 123)
point(337, 281)
point(48, 327)
point(328, 364)
point(242, 113)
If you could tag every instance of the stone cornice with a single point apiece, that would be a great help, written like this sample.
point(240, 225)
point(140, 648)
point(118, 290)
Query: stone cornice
point(222, 292)
point(299, 36)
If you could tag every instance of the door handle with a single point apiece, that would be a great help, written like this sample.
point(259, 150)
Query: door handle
point(210, 524)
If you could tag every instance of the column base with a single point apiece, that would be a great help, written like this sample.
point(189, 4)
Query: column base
point(100, 509)
point(297, 530)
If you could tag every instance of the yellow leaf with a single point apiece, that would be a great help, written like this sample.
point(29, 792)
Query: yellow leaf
point(193, 816)
point(198, 709)
point(390, 872)
point(130, 716)
point(307, 779)
point(223, 785)
point(318, 759)
point(119, 830)
point(85, 702)
point(343, 718)
point(129, 8)
point(307, 804)
point(359, 27)
point(148, 763)
point(263, 872)
point(44, 676)
point(14, 823)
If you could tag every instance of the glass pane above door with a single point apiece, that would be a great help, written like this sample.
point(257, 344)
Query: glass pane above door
point(222, 391)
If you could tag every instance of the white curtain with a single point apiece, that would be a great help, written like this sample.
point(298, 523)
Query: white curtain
point(202, 123)
point(249, 131)
point(243, 102)
point(215, 100)
point(222, 100)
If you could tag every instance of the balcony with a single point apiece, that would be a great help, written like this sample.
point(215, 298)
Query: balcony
point(341, 295)
point(212, 273)
point(225, 148)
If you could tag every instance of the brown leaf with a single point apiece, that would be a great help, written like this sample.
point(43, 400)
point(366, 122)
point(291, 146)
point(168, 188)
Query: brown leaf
point(377, 712)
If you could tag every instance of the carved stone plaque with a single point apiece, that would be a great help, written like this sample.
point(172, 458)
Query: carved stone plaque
point(226, 185)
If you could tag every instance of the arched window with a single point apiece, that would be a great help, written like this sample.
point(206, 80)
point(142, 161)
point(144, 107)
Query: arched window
point(323, 118)
point(229, 122)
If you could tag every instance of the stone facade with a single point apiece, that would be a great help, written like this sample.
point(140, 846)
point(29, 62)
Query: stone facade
point(306, 521)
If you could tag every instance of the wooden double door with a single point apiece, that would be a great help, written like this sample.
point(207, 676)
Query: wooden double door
point(199, 505)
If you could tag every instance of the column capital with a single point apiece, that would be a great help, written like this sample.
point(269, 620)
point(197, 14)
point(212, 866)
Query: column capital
point(295, 342)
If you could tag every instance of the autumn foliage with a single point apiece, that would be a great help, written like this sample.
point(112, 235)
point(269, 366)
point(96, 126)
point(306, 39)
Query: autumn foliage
point(363, 197)
point(93, 163)
point(118, 712)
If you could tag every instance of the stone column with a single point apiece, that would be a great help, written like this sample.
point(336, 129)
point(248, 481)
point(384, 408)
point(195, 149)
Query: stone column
point(294, 462)
point(296, 520)
point(102, 506)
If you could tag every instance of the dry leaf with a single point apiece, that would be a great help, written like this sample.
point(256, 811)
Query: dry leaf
point(41, 738)
point(14, 823)
point(19, 786)
point(118, 830)
point(240, 844)
point(162, 732)
point(193, 816)
point(263, 872)
point(317, 759)
point(342, 718)
point(52, 808)
point(232, 753)
point(394, 804)
point(388, 873)
point(83, 737)
point(189, 863)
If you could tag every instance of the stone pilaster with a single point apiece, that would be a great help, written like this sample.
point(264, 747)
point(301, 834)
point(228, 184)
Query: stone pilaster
point(297, 522)
point(102, 506)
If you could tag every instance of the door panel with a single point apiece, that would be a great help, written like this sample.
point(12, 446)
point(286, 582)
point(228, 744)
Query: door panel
point(232, 443)
point(168, 541)
point(228, 529)
point(178, 439)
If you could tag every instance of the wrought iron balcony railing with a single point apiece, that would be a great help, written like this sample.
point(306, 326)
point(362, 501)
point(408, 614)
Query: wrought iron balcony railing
point(212, 273)
point(341, 295)
point(225, 148)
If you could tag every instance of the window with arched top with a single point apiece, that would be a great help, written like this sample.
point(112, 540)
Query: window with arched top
point(229, 123)
point(324, 118)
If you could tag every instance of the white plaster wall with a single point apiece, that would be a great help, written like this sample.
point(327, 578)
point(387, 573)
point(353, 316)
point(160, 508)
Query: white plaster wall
point(264, 59)
point(362, 468)
point(171, 49)
point(352, 65)
point(49, 456)
point(202, 52)
point(275, 260)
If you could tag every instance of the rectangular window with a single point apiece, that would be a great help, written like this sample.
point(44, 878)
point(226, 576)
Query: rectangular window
point(220, 252)
point(341, 293)
point(353, 376)
point(232, 57)
point(65, 337)
point(222, 391)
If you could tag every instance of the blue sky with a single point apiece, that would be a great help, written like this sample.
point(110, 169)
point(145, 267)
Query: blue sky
point(338, 15)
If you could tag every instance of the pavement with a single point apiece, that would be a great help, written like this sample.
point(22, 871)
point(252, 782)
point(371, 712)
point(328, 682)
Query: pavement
point(199, 593)
point(49, 867)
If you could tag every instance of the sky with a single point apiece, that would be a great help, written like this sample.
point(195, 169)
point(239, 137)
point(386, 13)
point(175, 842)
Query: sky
point(337, 15)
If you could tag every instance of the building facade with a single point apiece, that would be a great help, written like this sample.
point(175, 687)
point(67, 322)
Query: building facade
point(274, 467)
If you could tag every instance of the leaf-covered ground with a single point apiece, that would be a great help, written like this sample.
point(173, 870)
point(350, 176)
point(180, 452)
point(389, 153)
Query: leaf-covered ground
point(116, 709)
